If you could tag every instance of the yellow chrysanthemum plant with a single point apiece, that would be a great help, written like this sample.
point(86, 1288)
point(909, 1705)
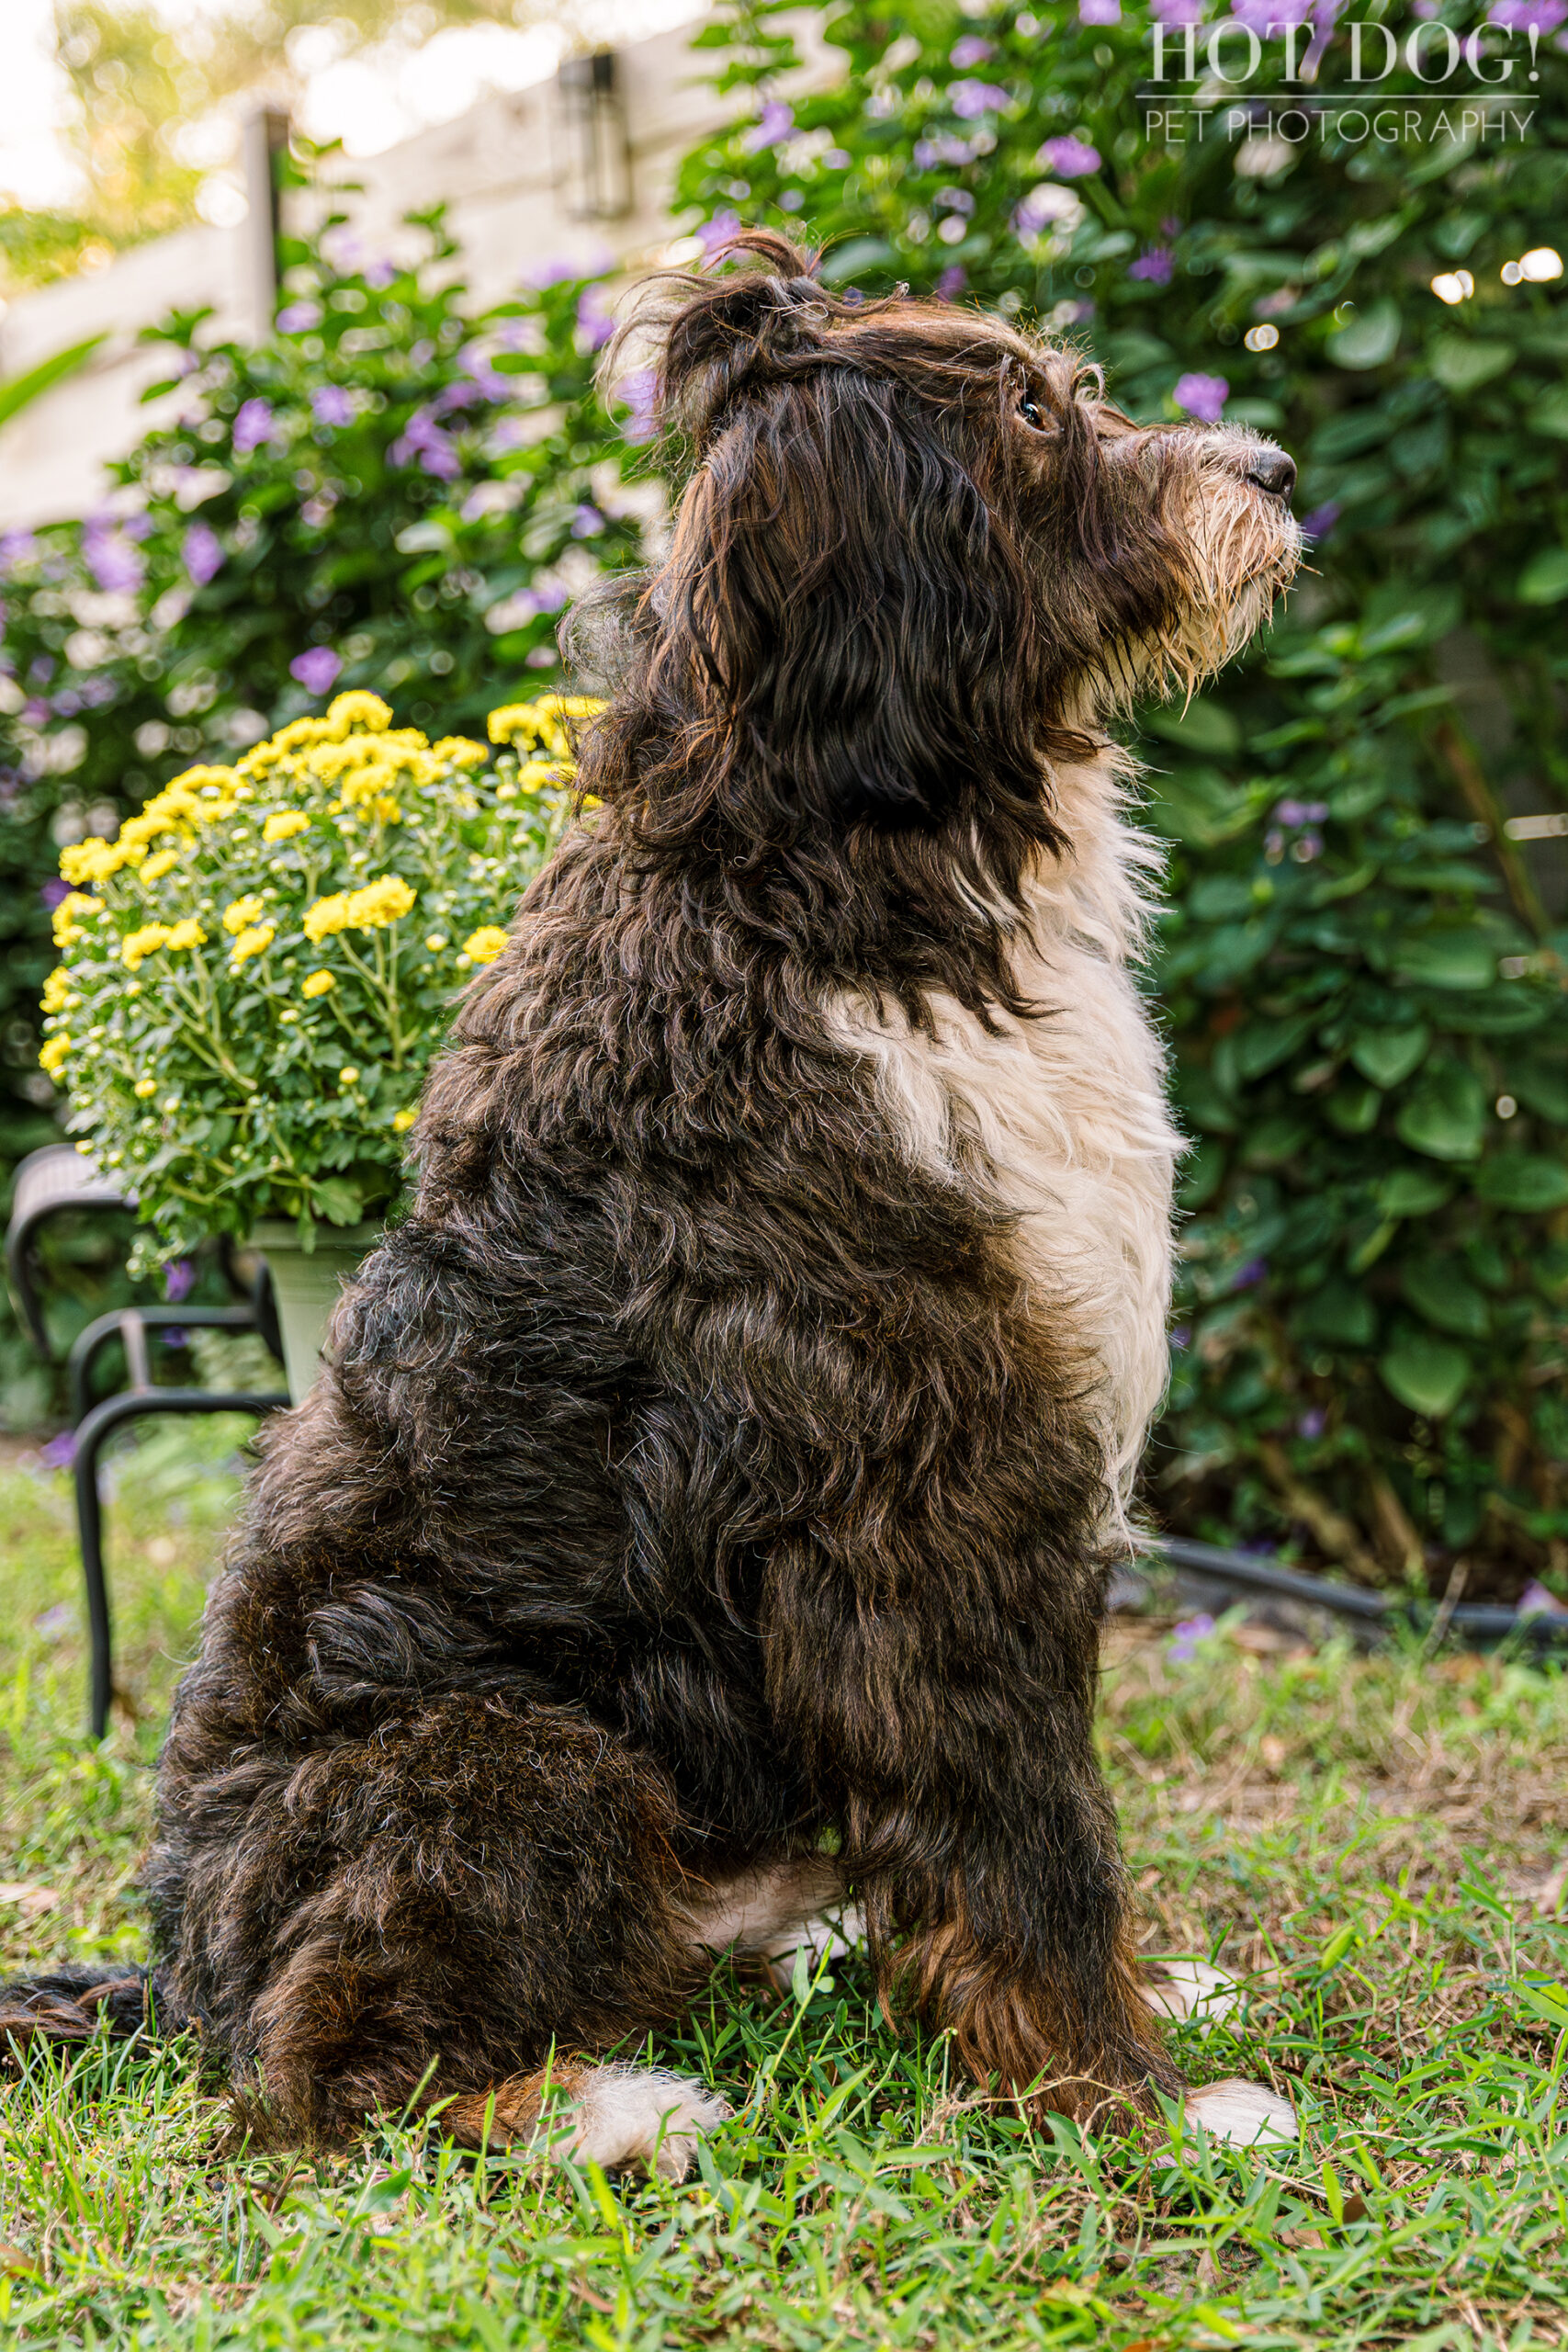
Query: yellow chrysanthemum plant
point(255, 972)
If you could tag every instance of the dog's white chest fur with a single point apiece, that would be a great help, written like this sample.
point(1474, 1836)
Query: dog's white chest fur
point(1062, 1119)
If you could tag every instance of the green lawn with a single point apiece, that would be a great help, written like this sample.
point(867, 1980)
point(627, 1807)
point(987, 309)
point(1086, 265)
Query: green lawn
point(1376, 1845)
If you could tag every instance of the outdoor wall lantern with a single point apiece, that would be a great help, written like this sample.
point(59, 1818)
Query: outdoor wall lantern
point(596, 183)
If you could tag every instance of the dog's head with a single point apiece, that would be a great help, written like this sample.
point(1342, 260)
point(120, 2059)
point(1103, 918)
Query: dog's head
point(918, 551)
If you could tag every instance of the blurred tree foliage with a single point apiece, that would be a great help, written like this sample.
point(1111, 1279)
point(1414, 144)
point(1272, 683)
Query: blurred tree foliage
point(154, 102)
point(1365, 992)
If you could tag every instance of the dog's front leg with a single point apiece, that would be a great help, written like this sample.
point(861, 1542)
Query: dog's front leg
point(953, 1737)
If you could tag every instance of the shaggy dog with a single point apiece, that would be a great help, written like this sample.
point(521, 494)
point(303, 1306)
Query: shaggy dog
point(705, 1511)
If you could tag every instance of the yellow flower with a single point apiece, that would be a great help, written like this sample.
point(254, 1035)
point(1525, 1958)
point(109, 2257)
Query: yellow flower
point(91, 861)
point(56, 988)
point(254, 942)
point(244, 912)
point(486, 944)
point(461, 750)
point(55, 1052)
point(137, 945)
point(188, 934)
point(70, 913)
point(317, 984)
point(156, 867)
point(378, 903)
point(284, 823)
point(357, 708)
point(348, 1076)
point(534, 773)
point(403, 1121)
point(144, 1087)
point(435, 942)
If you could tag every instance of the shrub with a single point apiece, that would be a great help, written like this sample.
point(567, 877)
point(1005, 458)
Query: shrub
point(256, 971)
point(393, 492)
point(1365, 997)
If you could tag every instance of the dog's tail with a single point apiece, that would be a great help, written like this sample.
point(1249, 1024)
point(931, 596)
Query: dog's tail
point(69, 2005)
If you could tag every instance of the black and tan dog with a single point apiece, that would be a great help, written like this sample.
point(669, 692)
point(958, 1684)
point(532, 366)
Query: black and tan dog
point(706, 1512)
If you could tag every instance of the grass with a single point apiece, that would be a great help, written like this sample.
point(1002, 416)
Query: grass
point(1375, 1844)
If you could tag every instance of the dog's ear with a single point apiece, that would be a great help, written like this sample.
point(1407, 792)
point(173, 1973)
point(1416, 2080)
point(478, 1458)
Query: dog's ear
point(844, 602)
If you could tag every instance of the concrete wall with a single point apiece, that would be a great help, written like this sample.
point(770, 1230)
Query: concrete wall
point(504, 171)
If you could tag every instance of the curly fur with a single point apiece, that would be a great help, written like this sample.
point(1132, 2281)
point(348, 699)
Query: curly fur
point(724, 1450)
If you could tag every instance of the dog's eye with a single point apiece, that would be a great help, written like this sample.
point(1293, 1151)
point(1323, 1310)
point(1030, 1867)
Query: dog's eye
point(1032, 414)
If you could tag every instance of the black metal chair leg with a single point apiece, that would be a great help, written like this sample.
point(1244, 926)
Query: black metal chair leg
point(86, 1347)
point(90, 1436)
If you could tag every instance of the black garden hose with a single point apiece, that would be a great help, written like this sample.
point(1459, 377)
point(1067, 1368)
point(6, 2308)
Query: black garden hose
point(1476, 1624)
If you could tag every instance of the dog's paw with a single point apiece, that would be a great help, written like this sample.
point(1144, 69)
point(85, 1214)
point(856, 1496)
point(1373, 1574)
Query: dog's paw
point(1192, 1989)
point(1245, 2114)
point(620, 2118)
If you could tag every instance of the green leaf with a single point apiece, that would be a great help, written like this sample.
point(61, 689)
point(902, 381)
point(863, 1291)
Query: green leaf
point(844, 262)
point(1436, 1288)
point(340, 1202)
point(1427, 1374)
point(1369, 338)
point(1541, 1088)
point(1338, 1316)
point(1462, 364)
point(1353, 1109)
point(1413, 1191)
point(18, 391)
point(1262, 1046)
point(1525, 1182)
point(1388, 1056)
point(1544, 580)
point(1446, 959)
point(1202, 726)
point(1550, 415)
point(1274, 1141)
point(1201, 1174)
point(1446, 1117)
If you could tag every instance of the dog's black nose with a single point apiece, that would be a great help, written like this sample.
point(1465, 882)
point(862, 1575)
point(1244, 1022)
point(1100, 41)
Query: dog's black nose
point(1272, 471)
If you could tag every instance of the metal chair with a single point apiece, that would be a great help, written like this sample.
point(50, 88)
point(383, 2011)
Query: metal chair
point(48, 1182)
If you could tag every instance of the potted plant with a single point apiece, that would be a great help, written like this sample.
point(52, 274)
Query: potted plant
point(256, 970)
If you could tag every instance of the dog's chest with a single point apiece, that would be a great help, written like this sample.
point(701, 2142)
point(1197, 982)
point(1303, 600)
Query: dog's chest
point(1060, 1119)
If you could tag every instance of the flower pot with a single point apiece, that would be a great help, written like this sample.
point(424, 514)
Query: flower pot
point(305, 1287)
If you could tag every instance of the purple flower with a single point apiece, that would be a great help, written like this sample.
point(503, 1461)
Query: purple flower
point(1247, 1277)
point(1300, 812)
point(96, 691)
point(37, 712)
point(1307, 847)
point(1311, 1425)
point(380, 275)
point(1203, 397)
point(330, 405)
point(461, 392)
point(1177, 12)
point(1527, 15)
point(1069, 158)
point(587, 523)
point(40, 669)
point(1536, 1601)
point(67, 705)
point(1099, 12)
point(945, 148)
point(52, 892)
point(179, 1280)
point(111, 559)
point(969, 100)
point(423, 438)
point(175, 1335)
point(1182, 1647)
point(61, 1451)
point(1261, 15)
point(317, 669)
point(1157, 265)
point(1181, 1336)
point(1321, 521)
point(714, 235)
point(952, 283)
point(773, 126)
point(954, 200)
point(969, 50)
point(298, 318)
point(639, 391)
point(17, 546)
point(203, 553)
point(254, 423)
point(595, 316)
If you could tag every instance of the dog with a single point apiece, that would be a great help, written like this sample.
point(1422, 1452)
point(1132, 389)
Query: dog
point(703, 1516)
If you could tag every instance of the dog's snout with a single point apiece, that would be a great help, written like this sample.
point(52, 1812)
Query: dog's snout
point(1272, 471)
